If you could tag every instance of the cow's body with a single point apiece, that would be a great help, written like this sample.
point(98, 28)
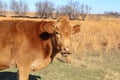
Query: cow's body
point(29, 45)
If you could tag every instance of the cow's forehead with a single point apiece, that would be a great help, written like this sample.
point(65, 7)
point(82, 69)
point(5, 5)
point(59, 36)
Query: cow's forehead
point(64, 28)
point(63, 25)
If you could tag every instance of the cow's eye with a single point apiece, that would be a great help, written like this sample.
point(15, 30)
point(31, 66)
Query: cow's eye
point(45, 35)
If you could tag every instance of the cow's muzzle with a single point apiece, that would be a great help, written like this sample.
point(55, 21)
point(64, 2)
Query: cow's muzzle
point(65, 52)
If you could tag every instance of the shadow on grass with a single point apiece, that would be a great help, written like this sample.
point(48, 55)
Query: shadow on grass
point(13, 76)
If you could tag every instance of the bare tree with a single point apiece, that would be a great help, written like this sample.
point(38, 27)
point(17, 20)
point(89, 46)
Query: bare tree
point(39, 9)
point(84, 10)
point(3, 7)
point(74, 10)
point(19, 7)
point(71, 9)
point(44, 9)
point(58, 12)
point(14, 6)
point(23, 7)
point(112, 13)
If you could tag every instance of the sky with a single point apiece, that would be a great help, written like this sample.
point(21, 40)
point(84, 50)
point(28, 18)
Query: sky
point(98, 6)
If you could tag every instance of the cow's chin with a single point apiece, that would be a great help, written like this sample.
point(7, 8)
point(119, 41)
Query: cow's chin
point(65, 54)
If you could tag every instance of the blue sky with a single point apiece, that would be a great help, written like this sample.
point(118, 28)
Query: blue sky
point(98, 6)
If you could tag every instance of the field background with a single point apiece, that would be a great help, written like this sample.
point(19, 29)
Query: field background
point(96, 54)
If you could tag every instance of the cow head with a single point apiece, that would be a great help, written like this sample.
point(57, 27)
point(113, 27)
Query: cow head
point(63, 33)
point(60, 31)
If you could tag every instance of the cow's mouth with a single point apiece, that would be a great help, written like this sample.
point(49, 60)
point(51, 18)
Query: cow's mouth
point(65, 54)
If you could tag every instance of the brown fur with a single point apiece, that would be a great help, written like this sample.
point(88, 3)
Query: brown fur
point(31, 45)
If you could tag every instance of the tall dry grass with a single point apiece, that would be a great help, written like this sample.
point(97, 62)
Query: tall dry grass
point(97, 36)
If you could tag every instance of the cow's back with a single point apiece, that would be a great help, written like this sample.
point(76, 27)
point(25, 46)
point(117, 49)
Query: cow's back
point(7, 28)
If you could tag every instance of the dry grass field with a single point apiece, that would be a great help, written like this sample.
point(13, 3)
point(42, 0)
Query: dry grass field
point(96, 54)
point(97, 36)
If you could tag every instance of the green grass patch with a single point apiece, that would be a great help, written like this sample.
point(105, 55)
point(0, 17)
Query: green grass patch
point(94, 66)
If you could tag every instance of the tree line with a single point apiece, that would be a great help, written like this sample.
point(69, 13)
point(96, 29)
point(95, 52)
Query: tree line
point(47, 9)
point(112, 13)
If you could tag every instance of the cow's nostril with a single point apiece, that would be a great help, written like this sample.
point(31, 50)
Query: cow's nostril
point(66, 49)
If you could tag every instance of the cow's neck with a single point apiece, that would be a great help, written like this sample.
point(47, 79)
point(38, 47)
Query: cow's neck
point(54, 47)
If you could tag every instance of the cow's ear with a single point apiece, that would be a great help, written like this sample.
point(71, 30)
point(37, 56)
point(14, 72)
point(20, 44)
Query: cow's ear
point(76, 29)
point(47, 26)
point(50, 27)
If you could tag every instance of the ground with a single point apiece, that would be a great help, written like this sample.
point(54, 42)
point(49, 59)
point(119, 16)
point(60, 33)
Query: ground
point(94, 66)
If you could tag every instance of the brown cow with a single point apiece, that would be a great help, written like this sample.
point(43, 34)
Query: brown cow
point(32, 45)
